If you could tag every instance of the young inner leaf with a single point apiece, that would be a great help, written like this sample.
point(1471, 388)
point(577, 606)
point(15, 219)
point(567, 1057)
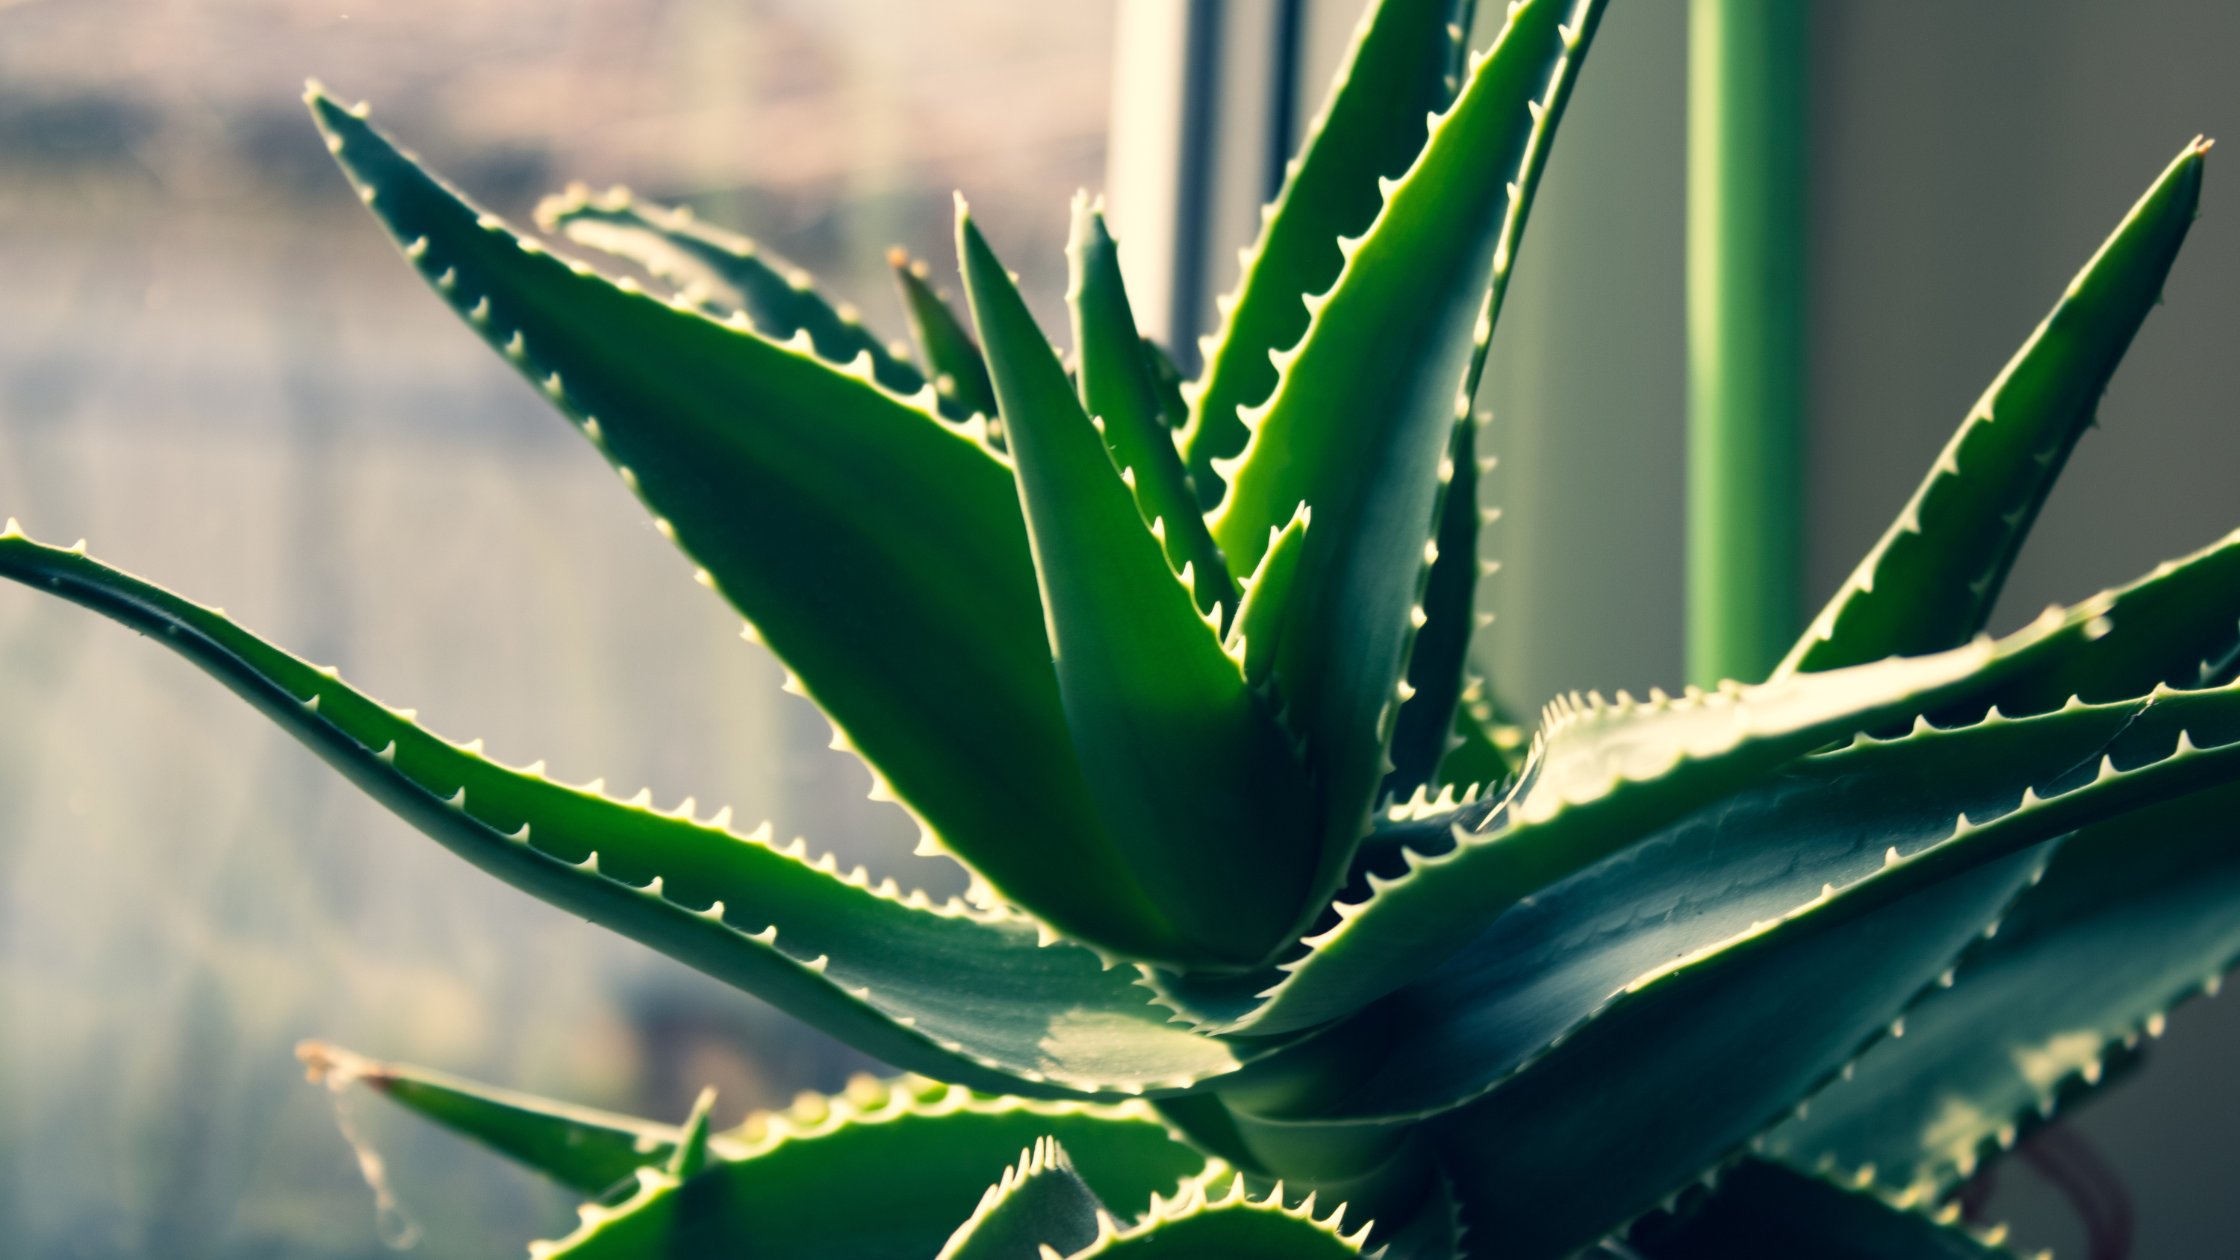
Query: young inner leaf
point(1198, 788)
point(1118, 387)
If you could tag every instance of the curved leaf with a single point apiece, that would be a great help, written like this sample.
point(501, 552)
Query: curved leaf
point(1117, 387)
point(1823, 840)
point(1202, 794)
point(724, 272)
point(1041, 1202)
point(1391, 928)
point(959, 373)
point(1691, 1062)
point(1366, 406)
point(1931, 581)
point(1762, 1211)
point(2175, 627)
point(1601, 777)
point(1688, 1060)
point(2135, 915)
point(878, 552)
point(892, 1173)
point(1372, 126)
point(943, 990)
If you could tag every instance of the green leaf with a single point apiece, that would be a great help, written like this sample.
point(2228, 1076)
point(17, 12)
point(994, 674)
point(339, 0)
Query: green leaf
point(1040, 1202)
point(1435, 1231)
point(877, 551)
point(586, 1150)
point(1371, 127)
point(1825, 839)
point(1118, 388)
point(1481, 756)
point(1393, 339)
point(2135, 915)
point(870, 966)
point(691, 1154)
point(1166, 381)
point(1200, 790)
point(1600, 777)
point(1623, 771)
point(724, 272)
point(960, 375)
point(1257, 628)
point(1205, 1123)
point(890, 1175)
point(1932, 580)
point(2176, 627)
point(1693, 1061)
point(1762, 1211)
point(1431, 724)
point(1200, 1225)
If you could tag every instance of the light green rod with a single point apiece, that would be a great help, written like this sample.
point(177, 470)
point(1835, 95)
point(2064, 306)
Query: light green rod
point(1747, 77)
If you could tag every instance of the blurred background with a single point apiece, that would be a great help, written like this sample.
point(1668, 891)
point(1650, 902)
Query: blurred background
point(214, 367)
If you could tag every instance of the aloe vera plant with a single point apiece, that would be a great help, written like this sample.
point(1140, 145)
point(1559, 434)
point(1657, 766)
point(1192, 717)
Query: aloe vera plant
point(1281, 942)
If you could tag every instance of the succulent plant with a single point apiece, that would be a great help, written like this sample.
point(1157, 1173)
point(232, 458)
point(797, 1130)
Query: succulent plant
point(1280, 941)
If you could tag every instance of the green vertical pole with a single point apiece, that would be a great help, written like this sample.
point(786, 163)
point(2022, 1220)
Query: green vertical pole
point(1747, 84)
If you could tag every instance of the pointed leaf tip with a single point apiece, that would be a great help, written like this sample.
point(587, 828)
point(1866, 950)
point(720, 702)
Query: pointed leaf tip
point(1194, 782)
point(1040, 1204)
point(666, 389)
point(1932, 580)
point(691, 1154)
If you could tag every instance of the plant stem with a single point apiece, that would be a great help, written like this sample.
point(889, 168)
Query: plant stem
point(1747, 71)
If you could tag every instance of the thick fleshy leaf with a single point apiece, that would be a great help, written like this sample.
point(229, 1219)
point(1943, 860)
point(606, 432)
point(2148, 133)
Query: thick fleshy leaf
point(1367, 403)
point(960, 375)
point(1391, 335)
point(1166, 381)
point(1666, 1080)
point(1434, 1232)
point(1040, 1202)
point(2135, 915)
point(1211, 1223)
point(1693, 1061)
point(1395, 73)
point(1762, 1211)
point(2179, 627)
point(1422, 904)
point(1428, 727)
point(877, 551)
point(1200, 791)
point(1932, 580)
point(1824, 839)
point(943, 990)
point(724, 272)
point(1258, 626)
point(586, 1150)
point(886, 1172)
point(1602, 777)
point(1482, 754)
point(1118, 388)
point(691, 1153)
